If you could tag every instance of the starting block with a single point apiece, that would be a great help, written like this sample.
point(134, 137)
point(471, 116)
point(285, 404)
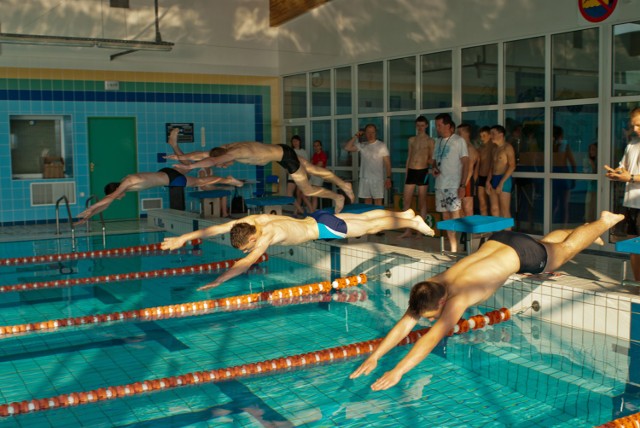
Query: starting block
point(210, 201)
point(269, 204)
point(631, 246)
point(473, 224)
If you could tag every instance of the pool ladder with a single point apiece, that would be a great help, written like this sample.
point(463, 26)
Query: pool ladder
point(104, 228)
point(73, 230)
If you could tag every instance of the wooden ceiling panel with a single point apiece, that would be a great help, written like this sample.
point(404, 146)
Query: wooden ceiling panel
point(281, 11)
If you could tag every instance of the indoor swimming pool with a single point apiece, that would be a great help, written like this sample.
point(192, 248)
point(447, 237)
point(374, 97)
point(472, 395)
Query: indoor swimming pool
point(520, 373)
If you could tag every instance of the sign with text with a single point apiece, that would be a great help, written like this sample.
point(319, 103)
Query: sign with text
point(186, 131)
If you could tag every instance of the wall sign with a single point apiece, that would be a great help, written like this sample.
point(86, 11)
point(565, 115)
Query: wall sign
point(186, 131)
point(596, 10)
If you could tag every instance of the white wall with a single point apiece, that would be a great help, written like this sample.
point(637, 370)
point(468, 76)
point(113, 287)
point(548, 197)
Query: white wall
point(211, 36)
point(352, 31)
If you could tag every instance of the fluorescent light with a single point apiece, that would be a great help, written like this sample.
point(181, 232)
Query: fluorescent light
point(36, 39)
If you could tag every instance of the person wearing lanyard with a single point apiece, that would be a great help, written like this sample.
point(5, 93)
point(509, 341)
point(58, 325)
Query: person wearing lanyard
point(451, 165)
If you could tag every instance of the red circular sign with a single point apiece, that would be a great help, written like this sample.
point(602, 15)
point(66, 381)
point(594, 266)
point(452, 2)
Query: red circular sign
point(596, 10)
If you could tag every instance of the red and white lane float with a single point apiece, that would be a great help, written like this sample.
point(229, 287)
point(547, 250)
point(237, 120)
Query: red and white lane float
point(245, 370)
point(187, 309)
point(128, 276)
point(144, 250)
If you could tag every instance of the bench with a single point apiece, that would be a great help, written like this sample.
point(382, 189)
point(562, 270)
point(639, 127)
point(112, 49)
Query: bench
point(473, 224)
point(269, 204)
point(210, 199)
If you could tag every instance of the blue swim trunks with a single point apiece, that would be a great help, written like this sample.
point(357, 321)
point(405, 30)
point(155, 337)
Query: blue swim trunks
point(329, 226)
point(176, 179)
point(506, 187)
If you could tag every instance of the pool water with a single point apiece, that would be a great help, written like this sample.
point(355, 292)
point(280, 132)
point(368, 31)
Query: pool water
point(520, 373)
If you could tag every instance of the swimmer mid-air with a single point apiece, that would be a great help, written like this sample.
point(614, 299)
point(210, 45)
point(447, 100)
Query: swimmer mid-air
point(255, 233)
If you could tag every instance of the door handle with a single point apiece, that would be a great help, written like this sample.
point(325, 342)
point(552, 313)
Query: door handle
point(91, 166)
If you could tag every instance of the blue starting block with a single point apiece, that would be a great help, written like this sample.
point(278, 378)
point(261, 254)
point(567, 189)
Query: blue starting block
point(269, 204)
point(473, 224)
point(210, 199)
point(631, 246)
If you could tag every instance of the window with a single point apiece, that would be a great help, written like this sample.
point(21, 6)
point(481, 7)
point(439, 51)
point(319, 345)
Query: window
point(401, 128)
point(321, 93)
point(525, 132)
point(524, 70)
point(478, 119)
point(626, 59)
point(480, 75)
point(343, 90)
point(402, 84)
point(574, 62)
point(436, 80)
point(295, 96)
point(36, 139)
point(370, 85)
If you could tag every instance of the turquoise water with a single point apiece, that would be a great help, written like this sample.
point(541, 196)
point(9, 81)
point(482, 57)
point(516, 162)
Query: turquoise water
point(521, 373)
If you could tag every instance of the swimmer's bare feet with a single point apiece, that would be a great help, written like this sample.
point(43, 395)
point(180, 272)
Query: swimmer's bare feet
point(422, 226)
point(173, 137)
point(339, 204)
point(610, 218)
point(408, 213)
point(599, 241)
point(348, 190)
point(234, 181)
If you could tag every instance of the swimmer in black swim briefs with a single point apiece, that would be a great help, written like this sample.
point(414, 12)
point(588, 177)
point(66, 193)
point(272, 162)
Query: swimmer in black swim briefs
point(532, 254)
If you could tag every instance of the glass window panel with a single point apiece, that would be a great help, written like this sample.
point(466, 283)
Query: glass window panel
point(321, 130)
point(525, 131)
point(575, 128)
point(321, 93)
point(527, 202)
point(524, 70)
point(622, 134)
point(436, 80)
point(569, 203)
point(401, 128)
point(626, 59)
point(295, 96)
point(344, 131)
point(402, 84)
point(574, 62)
point(370, 98)
point(343, 90)
point(478, 119)
point(480, 75)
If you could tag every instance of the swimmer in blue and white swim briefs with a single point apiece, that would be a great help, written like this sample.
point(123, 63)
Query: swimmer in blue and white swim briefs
point(329, 226)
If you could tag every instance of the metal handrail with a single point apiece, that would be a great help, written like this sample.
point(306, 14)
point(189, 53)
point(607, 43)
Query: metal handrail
point(73, 231)
point(104, 227)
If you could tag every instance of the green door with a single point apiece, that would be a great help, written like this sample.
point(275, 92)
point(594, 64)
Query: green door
point(113, 155)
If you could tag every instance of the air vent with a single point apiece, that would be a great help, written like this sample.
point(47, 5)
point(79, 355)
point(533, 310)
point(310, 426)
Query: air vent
point(47, 193)
point(151, 204)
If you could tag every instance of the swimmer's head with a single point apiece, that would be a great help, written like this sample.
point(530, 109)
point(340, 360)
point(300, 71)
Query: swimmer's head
point(427, 299)
point(110, 188)
point(242, 236)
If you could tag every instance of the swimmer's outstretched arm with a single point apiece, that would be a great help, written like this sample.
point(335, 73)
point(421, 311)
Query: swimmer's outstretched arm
point(205, 163)
point(178, 241)
point(240, 267)
point(452, 312)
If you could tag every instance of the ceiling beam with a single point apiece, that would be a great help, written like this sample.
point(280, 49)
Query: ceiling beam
point(281, 11)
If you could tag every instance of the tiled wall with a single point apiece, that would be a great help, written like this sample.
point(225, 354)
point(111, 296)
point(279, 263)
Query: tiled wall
point(230, 108)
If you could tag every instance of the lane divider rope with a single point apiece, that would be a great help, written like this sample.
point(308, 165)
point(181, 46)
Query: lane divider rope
point(188, 309)
point(147, 250)
point(128, 276)
point(630, 421)
point(245, 370)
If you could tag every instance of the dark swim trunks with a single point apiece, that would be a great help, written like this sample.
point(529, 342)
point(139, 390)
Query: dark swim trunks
point(329, 226)
point(532, 254)
point(482, 181)
point(176, 179)
point(417, 176)
point(289, 160)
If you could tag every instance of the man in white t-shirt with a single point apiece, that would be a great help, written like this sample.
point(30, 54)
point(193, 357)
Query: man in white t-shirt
point(451, 166)
point(629, 172)
point(375, 165)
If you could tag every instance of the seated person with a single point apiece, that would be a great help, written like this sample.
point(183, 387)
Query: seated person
point(254, 153)
point(473, 279)
point(255, 233)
